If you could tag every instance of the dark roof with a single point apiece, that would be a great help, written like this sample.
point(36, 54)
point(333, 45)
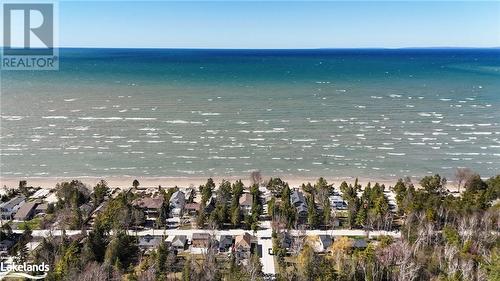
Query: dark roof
point(297, 197)
point(302, 209)
point(12, 202)
point(226, 239)
point(6, 244)
point(150, 241)
point(360, 243)
point(326, 241)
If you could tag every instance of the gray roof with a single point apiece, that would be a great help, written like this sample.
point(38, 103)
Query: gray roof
point(360, 243)
point(179, 240)
point(86, 208)
point(177, 199)
point(13, 202)
point(6, 244)
point(150, 241)
point(297, 197)
point(226, 240)
point(177, 195)
point(302, 209)
point(25, 210)
point(326, 241)
point(42, 207)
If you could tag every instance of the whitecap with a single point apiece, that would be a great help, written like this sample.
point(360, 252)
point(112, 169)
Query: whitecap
point(413, 134)
point(177, 121)
point(140, 118)
point(12, 118)
point(209, 113)
point(303, 140)
point(54, 117)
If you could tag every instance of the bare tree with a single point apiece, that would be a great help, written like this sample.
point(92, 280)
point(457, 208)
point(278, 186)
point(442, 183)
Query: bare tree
point(407, 268)
point(254, 267)
point(93, 272)
point(256, 177)
point(462, 175)
point(209, 266)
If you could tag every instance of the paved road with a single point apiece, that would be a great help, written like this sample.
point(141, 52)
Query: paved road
point(267, 260)
point(260, 233)
point(189, 232)
point(263, 237)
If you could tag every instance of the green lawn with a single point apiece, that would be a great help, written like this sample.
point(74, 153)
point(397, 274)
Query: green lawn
point(32, 224)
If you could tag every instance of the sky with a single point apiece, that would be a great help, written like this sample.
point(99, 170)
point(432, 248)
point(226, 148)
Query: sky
point(280, 24)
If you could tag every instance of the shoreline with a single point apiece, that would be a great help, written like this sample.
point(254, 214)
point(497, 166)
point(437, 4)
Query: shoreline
point(126, 181)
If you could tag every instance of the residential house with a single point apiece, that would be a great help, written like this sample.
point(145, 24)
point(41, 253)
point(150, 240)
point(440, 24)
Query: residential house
point(337, 202)
point(190, 194)
point(86, 210)
point(301, 211)
point(192, 208)
point(225, 243)
point(26, 211)
point(323, 242)
point(40, 193)
point(299, 201)
point(242, 246)
point(177, 202)
point(41, 208)
point(246, 201)
point(5, 246)
point(179, 243)
point(200, 241)
point(210, 205)
point(9, 208)
point(297, 198)
point(150, 205)
point(149, 242)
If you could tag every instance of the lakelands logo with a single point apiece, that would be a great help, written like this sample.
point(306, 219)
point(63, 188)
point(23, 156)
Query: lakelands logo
point(29, 36)
point(19, 270)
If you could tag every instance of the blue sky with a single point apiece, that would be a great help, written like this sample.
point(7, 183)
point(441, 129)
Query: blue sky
point(281, 24)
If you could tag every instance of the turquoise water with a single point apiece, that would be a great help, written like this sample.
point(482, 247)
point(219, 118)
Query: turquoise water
point(335, 113)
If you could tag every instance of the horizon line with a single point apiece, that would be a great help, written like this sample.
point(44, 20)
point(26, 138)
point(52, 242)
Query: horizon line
point(256, 49)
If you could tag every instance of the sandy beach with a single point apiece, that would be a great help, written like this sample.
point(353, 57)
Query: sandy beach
point(125, 181)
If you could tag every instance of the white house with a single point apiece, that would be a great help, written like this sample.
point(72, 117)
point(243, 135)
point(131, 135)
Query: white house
point(9, 208)
point(177, 202)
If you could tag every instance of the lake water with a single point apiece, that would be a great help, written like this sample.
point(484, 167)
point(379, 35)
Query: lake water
point(334, 113)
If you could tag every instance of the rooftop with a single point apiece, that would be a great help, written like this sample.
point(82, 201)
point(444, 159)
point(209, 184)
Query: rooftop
point(244, 240)
point(246, 199)
point(149, 202)
point(12, 202)
point(25, 210)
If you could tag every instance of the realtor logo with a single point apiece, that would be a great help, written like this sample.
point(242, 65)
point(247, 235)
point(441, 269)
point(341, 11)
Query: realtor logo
point(29, 36)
